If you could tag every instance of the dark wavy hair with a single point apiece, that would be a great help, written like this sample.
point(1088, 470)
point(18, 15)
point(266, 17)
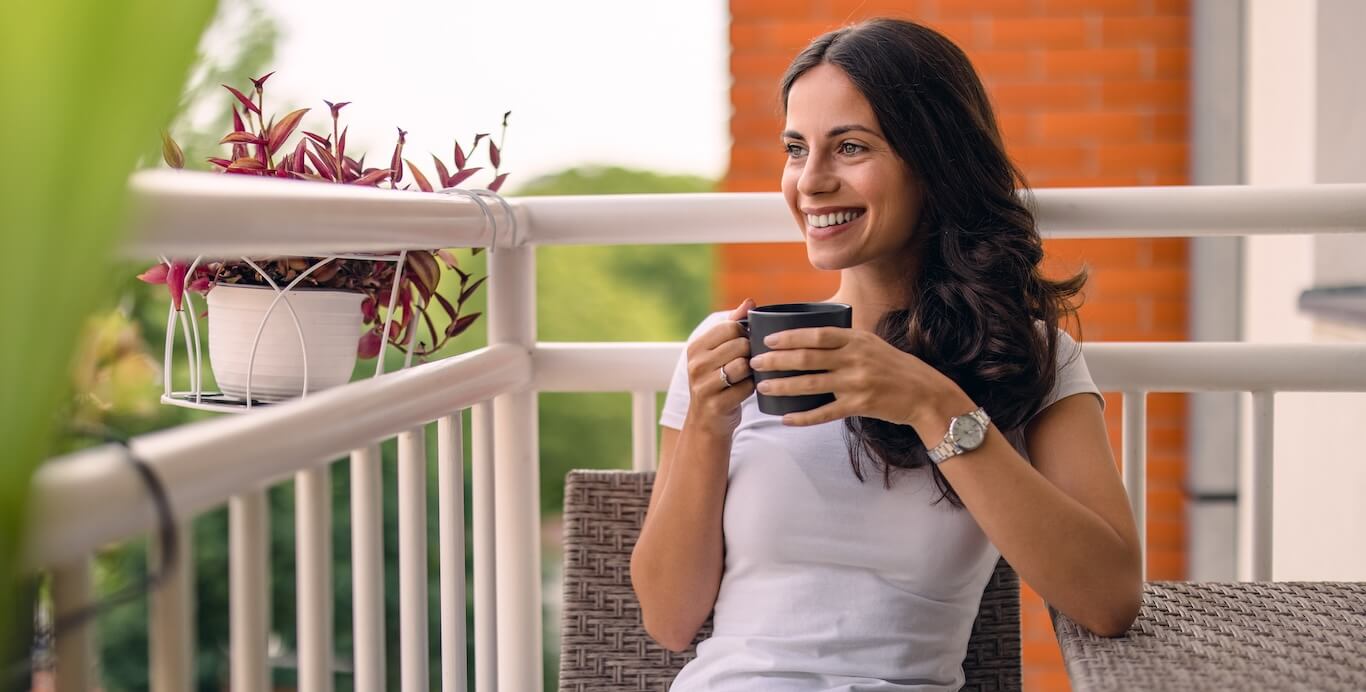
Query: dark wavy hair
point(978, 307)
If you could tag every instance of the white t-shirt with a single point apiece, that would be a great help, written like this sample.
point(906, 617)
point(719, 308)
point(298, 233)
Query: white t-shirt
point(831, 583)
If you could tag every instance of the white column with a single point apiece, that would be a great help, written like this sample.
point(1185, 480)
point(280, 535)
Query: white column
point(643, 432)
point(249, 591)
point(72, 590)
point(485, 549)
point(450, 446)
point(1135, 463)
point(412, 559)
point(517, 503)
point(367, 567)
point(313, 577)
point(170, 616)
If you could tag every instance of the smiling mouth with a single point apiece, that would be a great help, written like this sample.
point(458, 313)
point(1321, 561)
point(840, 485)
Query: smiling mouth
point(836, 219)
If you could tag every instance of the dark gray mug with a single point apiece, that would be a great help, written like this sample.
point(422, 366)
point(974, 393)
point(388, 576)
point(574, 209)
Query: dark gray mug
point(769, 319)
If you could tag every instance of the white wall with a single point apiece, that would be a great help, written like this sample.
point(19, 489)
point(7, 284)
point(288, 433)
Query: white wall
point(1302, 54)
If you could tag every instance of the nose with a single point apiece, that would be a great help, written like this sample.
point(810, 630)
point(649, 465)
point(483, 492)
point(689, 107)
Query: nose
point(818, 176)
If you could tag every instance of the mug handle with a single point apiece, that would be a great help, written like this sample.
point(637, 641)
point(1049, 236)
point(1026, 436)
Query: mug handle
point(744, 324)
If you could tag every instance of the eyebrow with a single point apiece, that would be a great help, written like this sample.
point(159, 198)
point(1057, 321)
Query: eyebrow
point(834, 132)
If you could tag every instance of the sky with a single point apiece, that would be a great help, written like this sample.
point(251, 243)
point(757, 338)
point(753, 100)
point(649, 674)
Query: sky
point(641, 83)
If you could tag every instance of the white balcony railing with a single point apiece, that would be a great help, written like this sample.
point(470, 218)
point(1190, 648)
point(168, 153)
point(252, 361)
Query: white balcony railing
point(234, 459)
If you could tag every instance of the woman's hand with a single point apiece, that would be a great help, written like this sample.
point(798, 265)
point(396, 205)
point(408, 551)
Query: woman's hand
point(868, 376)
point(715, 406)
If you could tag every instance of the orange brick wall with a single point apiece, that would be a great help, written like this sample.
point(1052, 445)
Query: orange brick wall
point(1088, 93)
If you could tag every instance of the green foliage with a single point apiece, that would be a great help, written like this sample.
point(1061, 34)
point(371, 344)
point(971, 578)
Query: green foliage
point(87, 86)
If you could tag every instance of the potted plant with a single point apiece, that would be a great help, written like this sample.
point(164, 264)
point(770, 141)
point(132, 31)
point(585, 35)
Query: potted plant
point(341, 305)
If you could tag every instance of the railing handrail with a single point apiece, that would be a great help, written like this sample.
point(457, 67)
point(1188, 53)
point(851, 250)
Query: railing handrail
point(203, 464)
point(186, 214)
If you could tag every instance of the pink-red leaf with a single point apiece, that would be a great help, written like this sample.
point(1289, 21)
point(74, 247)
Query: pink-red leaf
point(297, 158)
point(442, 175)
point(261, 81)
point(336, 107)
point(246, 102)
point(175, 282)
point(459, 326)
point(283, 129)
point(460, 176)
point(221, 163)
point(459, 158)
point(396, 161)
point(321, 166)
point(155, 274)
point(370, 343)
point(465, 294)
point(495, 157)
point(240, 138)
point(341, 144)
point(237, 124)
point(418, 177)
point(325, 141)
point(448, 258)
point(373, 177)
point(498, 182)
point(247, 163)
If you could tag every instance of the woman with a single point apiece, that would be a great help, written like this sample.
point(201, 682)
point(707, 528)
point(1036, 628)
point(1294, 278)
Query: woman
point(897, 178)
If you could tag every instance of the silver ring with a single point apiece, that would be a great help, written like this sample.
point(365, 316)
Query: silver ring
point(725, 380)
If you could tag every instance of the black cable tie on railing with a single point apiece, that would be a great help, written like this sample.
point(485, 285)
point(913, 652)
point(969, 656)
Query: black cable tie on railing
point(167, 531)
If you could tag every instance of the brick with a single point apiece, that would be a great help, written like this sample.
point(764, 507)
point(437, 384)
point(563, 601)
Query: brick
point(1159, 157)
point(1039, 32)
point(1178, 7)
point(1035, 96)
point(1171, 126)
point(1016, 127)
point(1076, 179)
point(1095, 7)
point(769, 9)
point(756, 159)
point(1172, 31)
point(1169, 252)
point(757, 128)
point(1093, 127)
point(971, 8)
point(1114, 284)
point(1166, 565)
point(755, 99)
point(747, 181)
point(1106, 63)
point(1006, 65)
point(747, 36)
point(1170, 95)
point(764, 64)
point(855, 10)
point(965, 33)
point(1171, 63)
point(1103, 253)
point(794, 36)
point(1049, 157)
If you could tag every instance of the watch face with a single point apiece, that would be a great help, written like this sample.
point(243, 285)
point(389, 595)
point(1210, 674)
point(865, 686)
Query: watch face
point(967, 432)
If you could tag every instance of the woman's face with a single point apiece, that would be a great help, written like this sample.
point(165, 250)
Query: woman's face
point(854, 199)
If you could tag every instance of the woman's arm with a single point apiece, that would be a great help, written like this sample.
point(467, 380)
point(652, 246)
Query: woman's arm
point(677, 562)
point(1064, 523)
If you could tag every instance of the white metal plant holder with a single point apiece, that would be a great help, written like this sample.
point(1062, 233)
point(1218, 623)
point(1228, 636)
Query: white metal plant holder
point(243, 390)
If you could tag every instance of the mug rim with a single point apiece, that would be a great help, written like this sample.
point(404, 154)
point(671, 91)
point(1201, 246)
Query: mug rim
point(805, 308)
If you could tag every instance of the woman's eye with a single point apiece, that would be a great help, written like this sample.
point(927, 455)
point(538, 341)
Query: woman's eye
point(793, 149)
point(850, 148)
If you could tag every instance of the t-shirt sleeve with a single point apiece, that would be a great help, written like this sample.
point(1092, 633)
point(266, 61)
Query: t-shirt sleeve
point(1073, 375)
point(676, 401)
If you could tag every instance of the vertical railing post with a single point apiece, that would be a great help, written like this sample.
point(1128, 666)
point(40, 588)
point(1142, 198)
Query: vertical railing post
point(1255, 496)
point(450, 501)
point(367, 567)
point(249, 591)
point(412, 559)
point(313, 577)
point(485, 549)
point(1135, 464)
point(73, 589)
point(517, 504)
point(643, 432)
point(170, 616)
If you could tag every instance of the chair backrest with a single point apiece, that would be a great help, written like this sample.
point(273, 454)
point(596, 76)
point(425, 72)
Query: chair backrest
point(605, 647)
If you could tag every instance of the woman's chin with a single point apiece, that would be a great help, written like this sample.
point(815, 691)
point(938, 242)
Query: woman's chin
point(825, 260)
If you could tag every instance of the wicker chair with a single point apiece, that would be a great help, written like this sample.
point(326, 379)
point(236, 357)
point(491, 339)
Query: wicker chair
point(604, 645)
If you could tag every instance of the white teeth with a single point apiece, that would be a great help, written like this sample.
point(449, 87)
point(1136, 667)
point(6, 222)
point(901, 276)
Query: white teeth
point(823, 220)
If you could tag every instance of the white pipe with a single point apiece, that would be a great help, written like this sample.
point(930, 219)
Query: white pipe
point(1256, 494)
point(484, 549)
point(604, 367)
point(313, 577)
point(180, 213)
point(643, 442)
point(205, 463)
point(176, 212)
point(72, 590)
point(249, 591)
point(1132, 212)
point(450, 479)
point(367, 567)
point(412, 559)
point(170, 616)
point(517, 503)
point(1135, 464)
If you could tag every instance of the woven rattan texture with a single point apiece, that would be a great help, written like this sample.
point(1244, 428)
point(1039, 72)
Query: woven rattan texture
point(1222, 636)
point(605, 648)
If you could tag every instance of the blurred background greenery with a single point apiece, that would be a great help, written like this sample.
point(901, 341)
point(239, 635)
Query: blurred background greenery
point(585, 293)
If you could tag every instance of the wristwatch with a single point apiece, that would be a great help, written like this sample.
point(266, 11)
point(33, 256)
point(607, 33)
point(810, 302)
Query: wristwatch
point(966, 433)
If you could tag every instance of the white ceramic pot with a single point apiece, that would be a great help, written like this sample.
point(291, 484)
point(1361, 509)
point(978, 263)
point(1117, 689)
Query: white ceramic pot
point(331, 325)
